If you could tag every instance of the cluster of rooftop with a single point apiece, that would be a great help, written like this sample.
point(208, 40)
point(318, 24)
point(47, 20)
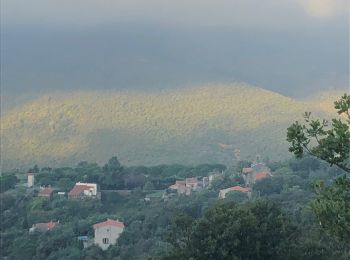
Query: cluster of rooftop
point(107, 232)
point(256, 172)
point(188, 185)
point(250, 175)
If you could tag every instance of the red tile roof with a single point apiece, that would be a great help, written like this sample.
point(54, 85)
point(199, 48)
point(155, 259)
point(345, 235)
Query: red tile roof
point(45, 192)
point(109, 222)
point(239, 188)
point(261, 175)
point(46, 226)
point(78, 189)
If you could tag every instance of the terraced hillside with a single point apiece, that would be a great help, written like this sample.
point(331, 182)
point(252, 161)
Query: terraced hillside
point(202, 124)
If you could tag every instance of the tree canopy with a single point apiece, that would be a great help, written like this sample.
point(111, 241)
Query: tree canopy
point(332, 145)
point(328, 142)
point(258, 230)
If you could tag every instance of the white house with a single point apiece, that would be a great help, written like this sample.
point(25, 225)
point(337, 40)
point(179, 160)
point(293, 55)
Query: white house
point(81, 190)
point(107, 233)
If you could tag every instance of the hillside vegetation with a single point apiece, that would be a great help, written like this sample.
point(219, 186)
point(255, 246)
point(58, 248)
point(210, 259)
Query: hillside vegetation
point(198, 125)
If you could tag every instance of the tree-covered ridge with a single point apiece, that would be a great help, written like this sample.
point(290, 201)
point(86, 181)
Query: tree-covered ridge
point(186, 126)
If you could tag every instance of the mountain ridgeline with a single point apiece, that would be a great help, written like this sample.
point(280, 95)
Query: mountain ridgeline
point(203, 124)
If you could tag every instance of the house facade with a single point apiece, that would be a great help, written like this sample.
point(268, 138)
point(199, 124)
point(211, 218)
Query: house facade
point(189, 185)
point(83, 190)
point(107, 233)
point(255, 172)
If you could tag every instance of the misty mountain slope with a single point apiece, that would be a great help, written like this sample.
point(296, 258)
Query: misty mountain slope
point(197, 125)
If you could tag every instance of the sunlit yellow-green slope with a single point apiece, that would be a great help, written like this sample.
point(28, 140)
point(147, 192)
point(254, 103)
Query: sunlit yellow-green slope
point(200, 124)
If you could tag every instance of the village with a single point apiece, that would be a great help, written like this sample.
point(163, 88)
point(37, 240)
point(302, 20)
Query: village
point(107, 232)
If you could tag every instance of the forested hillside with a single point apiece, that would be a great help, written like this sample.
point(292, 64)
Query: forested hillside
point(218, 123)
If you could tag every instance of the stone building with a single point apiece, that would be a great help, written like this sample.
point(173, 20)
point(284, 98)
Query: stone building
point(84, 190)
point(107, 233)
point(255, 172)
point(30, 180)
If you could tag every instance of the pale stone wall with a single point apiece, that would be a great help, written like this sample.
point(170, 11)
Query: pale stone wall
point(107, 235)
point(30, 180)
point(92, 191)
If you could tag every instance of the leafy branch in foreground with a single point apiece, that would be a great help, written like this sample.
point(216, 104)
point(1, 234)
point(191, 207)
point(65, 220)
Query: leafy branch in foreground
point(328, 142)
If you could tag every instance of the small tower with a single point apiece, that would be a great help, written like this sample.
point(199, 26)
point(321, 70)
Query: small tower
point(30, 180)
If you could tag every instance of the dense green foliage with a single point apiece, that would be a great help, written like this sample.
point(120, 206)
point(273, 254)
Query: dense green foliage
point(332, 207)
point(114, 176)
point(257, 230)
point(146, 222)
point(332, 146)
point(7, 181)
point(275, 222)
point(203, 124)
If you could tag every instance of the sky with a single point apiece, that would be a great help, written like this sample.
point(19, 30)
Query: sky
point(294, 47)
point(235, 13)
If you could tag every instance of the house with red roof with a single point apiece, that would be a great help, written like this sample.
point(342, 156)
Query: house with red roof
point(189, 184)
point(180, 187)
point(178, 184)
point(45, 192)
point(222, 193)
point(107, 232)
point(261, 175)
point(43, 227)
point(255, 173)
point(83, 190)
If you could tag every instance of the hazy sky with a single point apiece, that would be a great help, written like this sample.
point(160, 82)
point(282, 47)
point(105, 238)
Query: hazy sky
point(235, 13)
point(290, 46)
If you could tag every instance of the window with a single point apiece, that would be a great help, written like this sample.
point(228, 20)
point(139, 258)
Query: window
point(105, 240)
